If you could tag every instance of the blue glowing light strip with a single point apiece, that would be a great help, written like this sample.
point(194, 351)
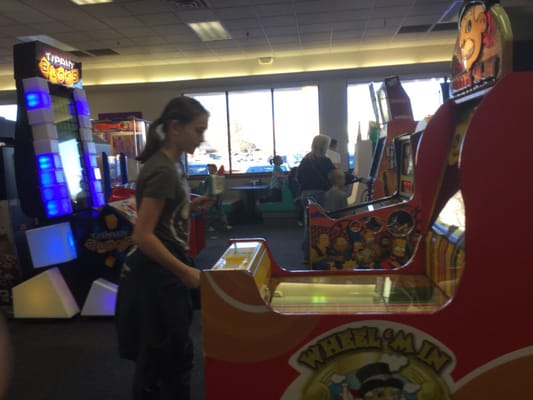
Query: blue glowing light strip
point(36, 100)
point(54, 190)
point(95, 184)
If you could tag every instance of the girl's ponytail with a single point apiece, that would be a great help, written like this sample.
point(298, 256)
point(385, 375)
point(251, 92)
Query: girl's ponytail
point(183, 109)
point(154, 140)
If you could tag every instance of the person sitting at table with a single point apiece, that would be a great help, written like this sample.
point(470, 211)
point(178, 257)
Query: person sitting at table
point(276, 182)
point(216, 217)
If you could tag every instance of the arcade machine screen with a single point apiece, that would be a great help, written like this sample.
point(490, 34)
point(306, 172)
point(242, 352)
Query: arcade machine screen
point(407, 167)
point(69, 147)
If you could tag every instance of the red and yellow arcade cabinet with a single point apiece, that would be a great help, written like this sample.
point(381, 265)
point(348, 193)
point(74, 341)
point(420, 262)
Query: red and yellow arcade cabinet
point(451, 321)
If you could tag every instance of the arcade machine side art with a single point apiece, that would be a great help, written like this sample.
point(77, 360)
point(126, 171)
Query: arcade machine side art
point(57, 178)
point(383, 189)
point(354, 334)
point(367, 233)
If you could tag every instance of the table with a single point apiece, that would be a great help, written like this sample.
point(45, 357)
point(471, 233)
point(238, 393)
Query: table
point(253, 214)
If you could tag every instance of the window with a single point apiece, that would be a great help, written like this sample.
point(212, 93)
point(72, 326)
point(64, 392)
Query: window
point(296, 122)
point(360, 113)
point(251, 138)
point(9, 112)
point(246, 128)
point(215, 148)
point(425, 96)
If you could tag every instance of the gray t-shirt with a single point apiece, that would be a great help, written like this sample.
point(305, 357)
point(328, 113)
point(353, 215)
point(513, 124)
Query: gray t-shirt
point(335, 199)
point(162, 179)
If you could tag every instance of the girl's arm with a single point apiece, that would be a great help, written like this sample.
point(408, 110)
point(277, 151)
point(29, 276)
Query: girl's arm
point(145, 238)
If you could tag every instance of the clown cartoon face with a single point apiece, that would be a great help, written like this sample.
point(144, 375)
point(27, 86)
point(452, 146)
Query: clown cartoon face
point(472, 26)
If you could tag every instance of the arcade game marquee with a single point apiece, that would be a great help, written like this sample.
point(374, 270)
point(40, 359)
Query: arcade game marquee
point(451, 321)
point(75, 238)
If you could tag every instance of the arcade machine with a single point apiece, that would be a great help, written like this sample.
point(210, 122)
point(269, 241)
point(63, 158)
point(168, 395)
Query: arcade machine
point(390, 222)
point(453, 320)
point(12, 220)
point(59, 186)
point(125, 138)
point(397, 117)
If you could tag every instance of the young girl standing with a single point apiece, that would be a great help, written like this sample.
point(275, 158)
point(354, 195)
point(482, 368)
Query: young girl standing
point(276, 183)
point(154, 307)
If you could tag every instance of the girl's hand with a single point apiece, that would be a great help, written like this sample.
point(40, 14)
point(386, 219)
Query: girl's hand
point(191, 277)
point(202, 203)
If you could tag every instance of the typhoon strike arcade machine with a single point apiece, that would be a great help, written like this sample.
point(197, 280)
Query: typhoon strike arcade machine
point(58, 180)
point(453, 322)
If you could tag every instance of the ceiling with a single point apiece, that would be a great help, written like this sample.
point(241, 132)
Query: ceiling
point(149, 40)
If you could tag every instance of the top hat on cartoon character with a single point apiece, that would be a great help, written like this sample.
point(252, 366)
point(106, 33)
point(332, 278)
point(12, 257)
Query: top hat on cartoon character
point(378, 381)
point(377, 375)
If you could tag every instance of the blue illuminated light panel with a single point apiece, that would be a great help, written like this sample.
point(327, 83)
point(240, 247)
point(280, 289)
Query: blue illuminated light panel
point(36, 100)
point(95, 184)
point(54, 190)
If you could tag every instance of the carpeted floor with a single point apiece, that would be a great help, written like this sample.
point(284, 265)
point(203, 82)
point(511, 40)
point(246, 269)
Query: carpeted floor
point(76, 359)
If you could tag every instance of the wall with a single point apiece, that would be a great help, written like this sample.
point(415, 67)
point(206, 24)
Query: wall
point(334, 114)
point(151, 98)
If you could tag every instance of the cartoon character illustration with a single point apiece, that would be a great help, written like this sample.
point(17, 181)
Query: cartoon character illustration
point(321, 253)
point(341, 387)
point(385, 244)
point(473, 24)
point(373, 249)
point(357, 253)
point(341, 251)
point(377, 380)
point(354, 231)
point(400, 223)
point(399, 254)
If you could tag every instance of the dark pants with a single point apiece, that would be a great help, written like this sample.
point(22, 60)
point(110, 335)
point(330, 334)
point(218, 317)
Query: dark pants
point(153, 316)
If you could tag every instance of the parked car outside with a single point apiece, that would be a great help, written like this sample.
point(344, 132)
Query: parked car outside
point(260, 169)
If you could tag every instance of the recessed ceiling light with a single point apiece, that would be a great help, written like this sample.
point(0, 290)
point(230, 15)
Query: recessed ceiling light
point(47, 40)
point(209, 31)
point(265, 60)
point(88, 2)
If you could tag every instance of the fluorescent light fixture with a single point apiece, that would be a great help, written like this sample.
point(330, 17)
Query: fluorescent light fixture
point(48, 40)
point(88, 2)
point(209, 31)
